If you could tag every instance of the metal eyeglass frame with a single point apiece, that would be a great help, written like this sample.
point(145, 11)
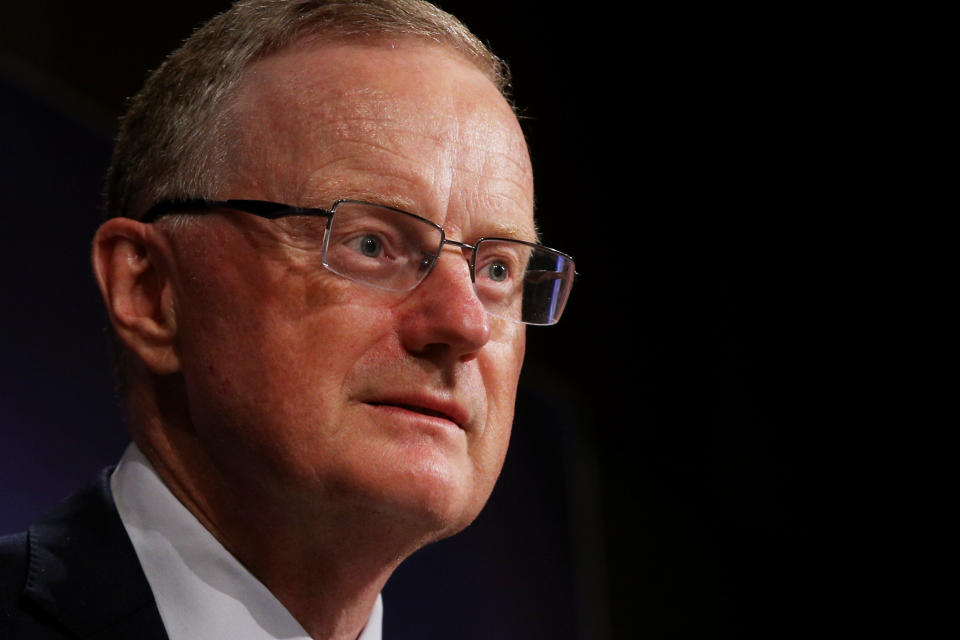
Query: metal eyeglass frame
point(275, 210)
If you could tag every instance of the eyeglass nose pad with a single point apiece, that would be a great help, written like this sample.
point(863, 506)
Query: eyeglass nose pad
point(470, 255)
point(448, 309)
point(466, 252)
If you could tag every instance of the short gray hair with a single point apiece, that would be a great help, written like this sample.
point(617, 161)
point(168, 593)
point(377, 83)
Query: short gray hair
point(174, 140)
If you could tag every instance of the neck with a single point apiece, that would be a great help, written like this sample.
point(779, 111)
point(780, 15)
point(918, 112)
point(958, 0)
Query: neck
point(326, 562)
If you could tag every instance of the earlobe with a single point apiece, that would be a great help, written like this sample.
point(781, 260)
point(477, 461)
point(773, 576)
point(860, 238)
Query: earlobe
point(132, 270)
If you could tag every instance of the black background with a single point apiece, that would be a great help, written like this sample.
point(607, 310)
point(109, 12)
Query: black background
point(673, 469)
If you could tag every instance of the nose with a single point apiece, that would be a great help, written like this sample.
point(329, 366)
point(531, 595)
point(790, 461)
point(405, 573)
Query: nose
point(443, 317)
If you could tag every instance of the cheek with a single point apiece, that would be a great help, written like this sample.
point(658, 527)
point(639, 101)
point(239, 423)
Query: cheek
point(500, 365)
point(501, 362)
point(267, 387)
point(276, 337)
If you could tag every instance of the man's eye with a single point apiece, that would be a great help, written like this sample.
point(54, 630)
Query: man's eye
point(369, 245)
point(497, 271)
point(426, 260)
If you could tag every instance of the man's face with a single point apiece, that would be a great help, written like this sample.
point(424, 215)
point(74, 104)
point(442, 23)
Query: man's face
point(308, 390)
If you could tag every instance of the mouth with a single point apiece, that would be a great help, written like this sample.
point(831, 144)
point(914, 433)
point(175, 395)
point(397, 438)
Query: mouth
point(425, 411)
point(451, 413)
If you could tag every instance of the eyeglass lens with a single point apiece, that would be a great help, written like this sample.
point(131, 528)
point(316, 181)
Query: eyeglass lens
point(393, 250)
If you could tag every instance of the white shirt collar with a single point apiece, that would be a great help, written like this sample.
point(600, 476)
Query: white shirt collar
point(201, 590)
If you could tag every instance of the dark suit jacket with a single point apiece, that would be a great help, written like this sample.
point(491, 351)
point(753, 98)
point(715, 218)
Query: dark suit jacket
point(74, 574)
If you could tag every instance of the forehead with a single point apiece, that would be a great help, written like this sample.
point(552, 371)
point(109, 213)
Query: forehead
point(405, 122)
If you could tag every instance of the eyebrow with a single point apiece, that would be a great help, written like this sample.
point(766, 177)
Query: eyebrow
point(507, 230)
point(490, 228)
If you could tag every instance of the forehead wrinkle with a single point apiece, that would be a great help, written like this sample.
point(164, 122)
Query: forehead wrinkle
point(348, 112)
point(390, 185)
point(333, 110)
point(446, 134)
point(360, 132)
point(375, 145)
point(408, 184)
point(494, 176)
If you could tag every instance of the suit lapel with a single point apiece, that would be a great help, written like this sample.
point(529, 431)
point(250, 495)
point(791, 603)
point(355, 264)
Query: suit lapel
point(84, 572)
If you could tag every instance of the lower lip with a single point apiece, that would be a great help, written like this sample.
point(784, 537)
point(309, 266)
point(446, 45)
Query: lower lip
point(403, 413)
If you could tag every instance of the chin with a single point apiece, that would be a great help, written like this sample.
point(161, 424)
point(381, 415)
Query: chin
point(434, 498)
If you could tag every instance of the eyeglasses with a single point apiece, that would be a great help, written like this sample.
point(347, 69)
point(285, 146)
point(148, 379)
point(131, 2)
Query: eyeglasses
point(390, 249)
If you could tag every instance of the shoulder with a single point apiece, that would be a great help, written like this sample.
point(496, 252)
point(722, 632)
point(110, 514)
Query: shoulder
point(44, 569)
point(13, 577)
point(13, 553)
point(13, 568)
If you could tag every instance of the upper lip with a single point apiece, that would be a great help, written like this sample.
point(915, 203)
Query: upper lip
point(430, 404)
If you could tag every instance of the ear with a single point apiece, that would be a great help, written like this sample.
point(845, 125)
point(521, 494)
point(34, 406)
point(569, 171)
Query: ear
point(132, 266)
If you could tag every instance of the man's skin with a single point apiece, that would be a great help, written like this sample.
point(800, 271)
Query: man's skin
point(283, 404)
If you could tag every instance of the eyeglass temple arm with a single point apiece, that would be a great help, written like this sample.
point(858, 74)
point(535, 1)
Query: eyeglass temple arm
point(260, 208)
point(274, 210)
